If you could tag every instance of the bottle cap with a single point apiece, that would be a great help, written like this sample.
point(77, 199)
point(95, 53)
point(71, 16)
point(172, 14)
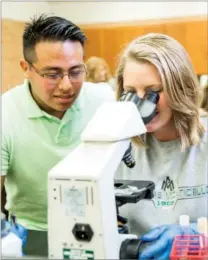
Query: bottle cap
point(184, 220)
point(202, 225)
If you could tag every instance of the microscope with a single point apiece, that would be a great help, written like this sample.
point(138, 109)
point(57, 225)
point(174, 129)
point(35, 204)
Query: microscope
point(84, 198)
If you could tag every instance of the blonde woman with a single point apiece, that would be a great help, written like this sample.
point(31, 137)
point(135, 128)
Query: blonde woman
point(98, 70)
point(173, 152)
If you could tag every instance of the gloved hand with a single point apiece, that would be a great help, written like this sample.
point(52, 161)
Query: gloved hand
point(161, 240)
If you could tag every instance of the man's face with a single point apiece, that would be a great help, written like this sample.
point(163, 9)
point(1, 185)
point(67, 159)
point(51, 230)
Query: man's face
point(53, 93)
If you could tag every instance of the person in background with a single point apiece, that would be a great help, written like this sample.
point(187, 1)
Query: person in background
point(173, 151)
point(42, 119)
point(99, 71)
point(204, 103)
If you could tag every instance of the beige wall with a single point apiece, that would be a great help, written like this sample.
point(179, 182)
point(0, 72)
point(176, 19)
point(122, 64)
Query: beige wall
point(11, 53)
point(122, 11)
point(107, 41)
point(22, 11)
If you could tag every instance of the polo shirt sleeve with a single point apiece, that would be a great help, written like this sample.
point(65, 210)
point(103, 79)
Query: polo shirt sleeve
point(5, 155)
point(6, 127)
point(94, 94)
point(101, 92)
point(106, 92)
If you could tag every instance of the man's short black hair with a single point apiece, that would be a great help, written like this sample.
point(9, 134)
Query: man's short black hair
point(49, 28)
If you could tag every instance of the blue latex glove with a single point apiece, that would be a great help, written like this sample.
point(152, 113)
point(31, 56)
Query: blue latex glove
point(161, 239)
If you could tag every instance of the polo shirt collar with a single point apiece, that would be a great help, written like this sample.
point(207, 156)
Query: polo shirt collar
point(34, 111)
point(79, 102)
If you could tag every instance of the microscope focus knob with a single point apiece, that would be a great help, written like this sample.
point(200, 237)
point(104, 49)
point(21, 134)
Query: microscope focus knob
point(130, 249)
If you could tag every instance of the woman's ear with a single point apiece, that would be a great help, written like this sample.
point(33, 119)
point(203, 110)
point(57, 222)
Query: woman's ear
point(25, 67)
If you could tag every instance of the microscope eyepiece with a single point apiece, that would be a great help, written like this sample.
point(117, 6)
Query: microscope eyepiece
point(129, 96)
point(151, 96)
point(147, 109)
point(145, 105)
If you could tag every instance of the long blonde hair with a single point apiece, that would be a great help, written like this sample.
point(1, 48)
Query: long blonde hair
point(93, 64)
point(179, 80)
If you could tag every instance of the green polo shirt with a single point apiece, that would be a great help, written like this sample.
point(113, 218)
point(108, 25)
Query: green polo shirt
point(34, 141)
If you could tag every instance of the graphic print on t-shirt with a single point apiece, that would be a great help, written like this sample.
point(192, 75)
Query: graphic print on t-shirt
point(167, 192)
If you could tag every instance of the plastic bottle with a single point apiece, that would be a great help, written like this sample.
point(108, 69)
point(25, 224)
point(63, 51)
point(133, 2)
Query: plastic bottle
point(184, 222)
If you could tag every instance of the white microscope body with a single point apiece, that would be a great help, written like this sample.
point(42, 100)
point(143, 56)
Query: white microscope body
point(82, 218)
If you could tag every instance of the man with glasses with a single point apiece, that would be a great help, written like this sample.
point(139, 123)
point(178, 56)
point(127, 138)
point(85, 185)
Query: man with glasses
point(43, 119)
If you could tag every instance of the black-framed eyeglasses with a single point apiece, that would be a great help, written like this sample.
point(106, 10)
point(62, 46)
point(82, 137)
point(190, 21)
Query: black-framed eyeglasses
point(75, 75)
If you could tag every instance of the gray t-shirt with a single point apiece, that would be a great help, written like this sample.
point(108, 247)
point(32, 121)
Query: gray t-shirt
point(181, 183)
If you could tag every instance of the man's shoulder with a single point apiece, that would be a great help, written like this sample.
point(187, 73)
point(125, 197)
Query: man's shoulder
point(12, 101)
point(11, 94)
point(98, 91)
